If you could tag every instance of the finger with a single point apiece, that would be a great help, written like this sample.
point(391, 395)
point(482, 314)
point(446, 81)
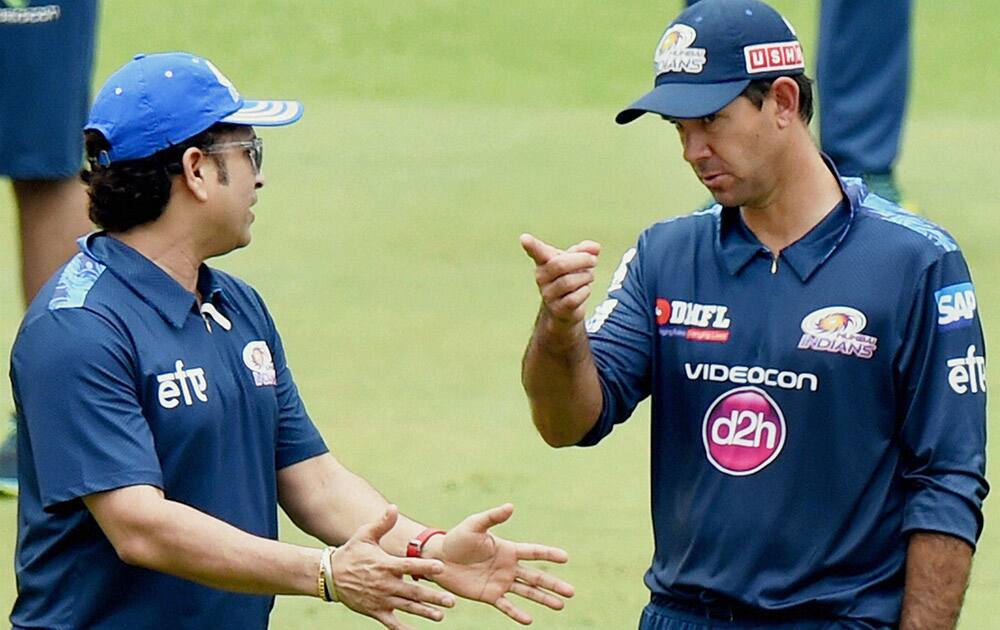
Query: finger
point(544, 580)
point(591, 247)
point(540, 251)
point(484, 520)
point(373, 532)
point(536, 595)
point(415, 566)
point(570, 307)
point(503, 605)
point(415, 608)
point(389, 620)
point(423, 594)
point(532, 551)
point(564, 264)
point(565, 285)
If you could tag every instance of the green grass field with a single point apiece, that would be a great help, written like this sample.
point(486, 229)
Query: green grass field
point(386, 241)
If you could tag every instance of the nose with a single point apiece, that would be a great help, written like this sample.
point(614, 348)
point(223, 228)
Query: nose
point(258, 181)
point(695, 146)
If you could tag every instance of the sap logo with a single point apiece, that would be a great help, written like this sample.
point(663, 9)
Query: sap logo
point(967, 374)
point(180, 384)
point(743, 431)
point(753, 375)
point(956, 306)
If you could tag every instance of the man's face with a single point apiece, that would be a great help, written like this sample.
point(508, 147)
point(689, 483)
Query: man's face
point(730, 151)
point(233, 192)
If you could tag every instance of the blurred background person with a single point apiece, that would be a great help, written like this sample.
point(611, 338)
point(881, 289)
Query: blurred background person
point(46, 62)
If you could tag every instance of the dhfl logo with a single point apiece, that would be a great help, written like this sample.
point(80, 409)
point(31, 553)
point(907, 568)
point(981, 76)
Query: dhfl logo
point(692, 321)
point(743, 431)
point(772, 57)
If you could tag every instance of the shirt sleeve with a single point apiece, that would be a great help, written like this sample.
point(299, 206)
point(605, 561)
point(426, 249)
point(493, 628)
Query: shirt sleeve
point(942, 379)
point(74, 381)
point(298, 438)
point(621, 333)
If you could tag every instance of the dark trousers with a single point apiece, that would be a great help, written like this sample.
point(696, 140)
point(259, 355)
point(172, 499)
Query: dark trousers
point(663, 614)
point(863, 76)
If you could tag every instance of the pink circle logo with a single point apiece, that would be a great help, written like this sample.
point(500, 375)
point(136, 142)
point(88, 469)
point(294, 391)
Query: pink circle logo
point(744, 431)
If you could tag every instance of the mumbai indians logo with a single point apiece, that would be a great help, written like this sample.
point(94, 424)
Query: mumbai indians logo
point(674, 52)
point(837, 329)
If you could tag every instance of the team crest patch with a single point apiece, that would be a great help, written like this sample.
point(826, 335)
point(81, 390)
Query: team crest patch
point(837, 329)
point(257, 357)
point(674, 52)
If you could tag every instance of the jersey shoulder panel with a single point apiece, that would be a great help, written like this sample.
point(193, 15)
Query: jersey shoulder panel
point(893, 224)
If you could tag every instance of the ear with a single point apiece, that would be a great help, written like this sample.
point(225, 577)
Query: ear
point(785, 95)
point(196, 164)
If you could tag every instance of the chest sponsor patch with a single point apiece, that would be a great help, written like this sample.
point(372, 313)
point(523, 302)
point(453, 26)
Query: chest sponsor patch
point(837, 329)
point(692, 321)
point(956, 306)
point(185, 385)
point(257, 357)
point(743, 431)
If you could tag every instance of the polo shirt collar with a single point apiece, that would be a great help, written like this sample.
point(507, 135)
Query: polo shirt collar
point(737, 245)
point(151, 283)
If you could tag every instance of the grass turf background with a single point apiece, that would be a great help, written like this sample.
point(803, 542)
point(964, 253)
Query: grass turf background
point(386, 240)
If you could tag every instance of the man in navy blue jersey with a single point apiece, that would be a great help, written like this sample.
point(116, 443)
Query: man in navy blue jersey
point(813, 353)
point(159, 425)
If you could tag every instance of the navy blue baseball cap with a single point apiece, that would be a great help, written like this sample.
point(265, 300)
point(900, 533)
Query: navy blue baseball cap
point(710, 53)
point(156, 101)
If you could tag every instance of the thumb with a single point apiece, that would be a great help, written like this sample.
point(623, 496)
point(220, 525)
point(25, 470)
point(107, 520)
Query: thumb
point(373, 532)
point(540, 251)
point(484, 520)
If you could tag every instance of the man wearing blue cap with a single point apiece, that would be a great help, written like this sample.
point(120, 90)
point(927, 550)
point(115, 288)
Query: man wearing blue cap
point(813, 353)
point(159, 425)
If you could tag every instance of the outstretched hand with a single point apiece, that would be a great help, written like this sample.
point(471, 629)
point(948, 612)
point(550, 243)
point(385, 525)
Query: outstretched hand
point(370, 581)
point(563, 276)
point(482, 567)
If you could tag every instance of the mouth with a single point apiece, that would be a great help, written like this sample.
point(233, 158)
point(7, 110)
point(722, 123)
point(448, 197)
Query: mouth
point(711, 179)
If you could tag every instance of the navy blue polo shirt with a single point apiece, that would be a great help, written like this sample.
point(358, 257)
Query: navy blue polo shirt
point(121, 379)
point(807, 412)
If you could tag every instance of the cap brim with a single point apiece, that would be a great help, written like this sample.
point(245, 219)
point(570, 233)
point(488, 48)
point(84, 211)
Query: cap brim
point(266, 113)
point(684, 100)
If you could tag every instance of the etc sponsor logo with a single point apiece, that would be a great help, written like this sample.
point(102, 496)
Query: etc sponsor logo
point(751, 375)
point(674, 52)
point(743, 431)
point(967, 375)
point(837, 329)
point(956, 306)
point(181, 384)
point(692, 321)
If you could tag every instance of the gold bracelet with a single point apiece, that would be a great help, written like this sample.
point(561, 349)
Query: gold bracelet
point(326, 571)
point(321, 590)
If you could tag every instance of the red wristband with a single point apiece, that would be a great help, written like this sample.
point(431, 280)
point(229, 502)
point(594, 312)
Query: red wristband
point(415, 548)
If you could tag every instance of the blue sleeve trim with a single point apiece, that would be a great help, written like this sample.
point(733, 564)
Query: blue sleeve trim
point(52, 500)
point(943, 512)
point(77, 279)
point(314, 450)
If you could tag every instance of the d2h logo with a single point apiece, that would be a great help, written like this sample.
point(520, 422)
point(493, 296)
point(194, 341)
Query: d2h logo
point(743, 431)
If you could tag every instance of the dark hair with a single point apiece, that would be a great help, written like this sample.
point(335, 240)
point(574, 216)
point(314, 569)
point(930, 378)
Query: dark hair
point(132, 192)
point(758, 89)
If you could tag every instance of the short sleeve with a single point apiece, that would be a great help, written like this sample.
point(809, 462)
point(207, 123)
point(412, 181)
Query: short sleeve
point(74, 382)
point(620, 333)
point(942, 376)
point(297, 439)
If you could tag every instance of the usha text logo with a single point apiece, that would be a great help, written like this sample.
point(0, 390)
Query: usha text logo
point(181, 384)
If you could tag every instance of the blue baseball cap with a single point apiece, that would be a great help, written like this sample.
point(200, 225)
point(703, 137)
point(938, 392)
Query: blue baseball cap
point(156, 101)
point(711, 52)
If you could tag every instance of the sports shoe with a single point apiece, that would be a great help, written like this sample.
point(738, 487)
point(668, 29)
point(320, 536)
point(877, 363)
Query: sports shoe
point(8, 464)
